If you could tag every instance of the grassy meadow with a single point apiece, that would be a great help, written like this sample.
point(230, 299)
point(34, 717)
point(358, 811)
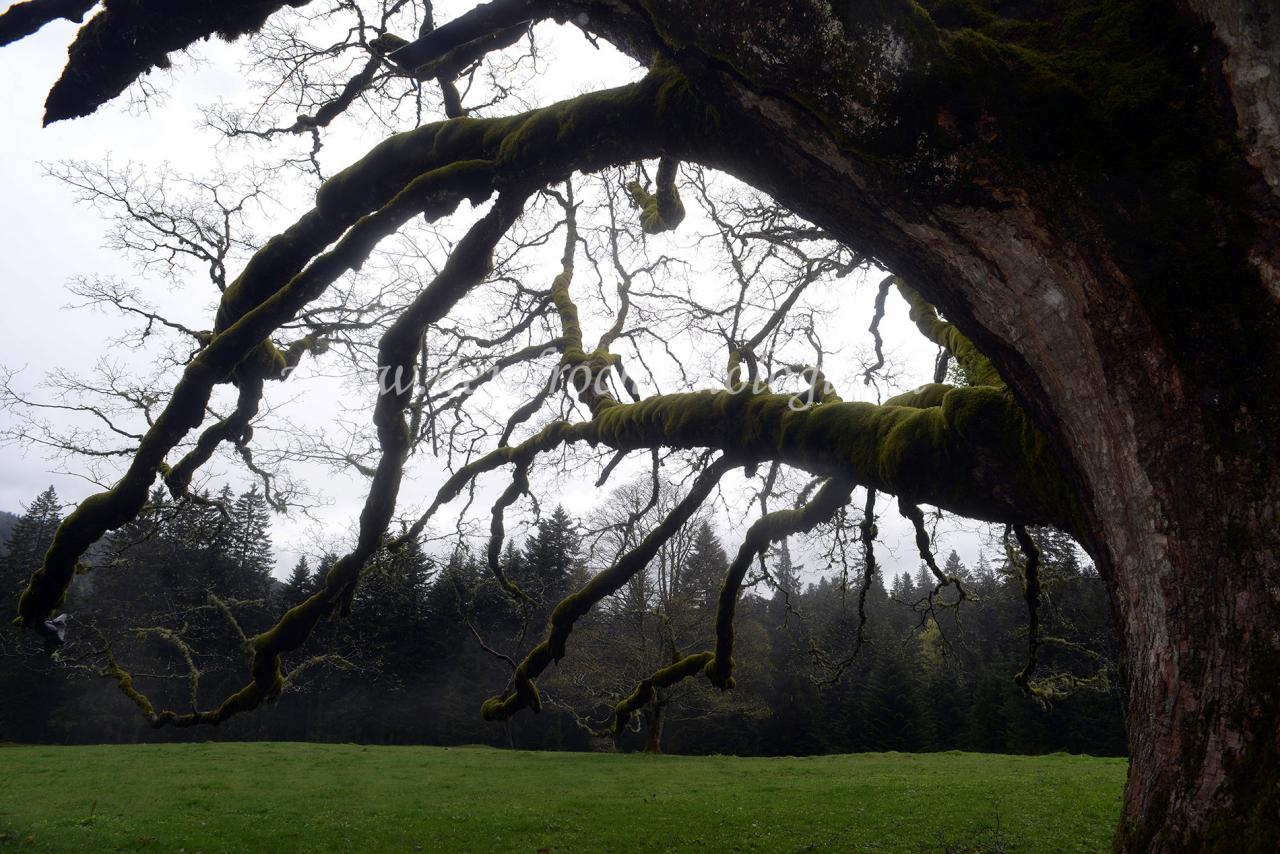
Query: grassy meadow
point(311, 797)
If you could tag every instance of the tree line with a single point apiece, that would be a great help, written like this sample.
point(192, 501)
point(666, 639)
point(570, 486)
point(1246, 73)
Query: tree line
point(176, 594)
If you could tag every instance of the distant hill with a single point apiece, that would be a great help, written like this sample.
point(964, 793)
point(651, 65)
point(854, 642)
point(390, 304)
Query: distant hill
point(7, 521)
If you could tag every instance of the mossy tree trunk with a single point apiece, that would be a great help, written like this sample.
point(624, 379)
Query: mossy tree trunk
point(1102, 221)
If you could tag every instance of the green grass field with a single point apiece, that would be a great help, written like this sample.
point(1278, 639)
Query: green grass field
point(311, 797)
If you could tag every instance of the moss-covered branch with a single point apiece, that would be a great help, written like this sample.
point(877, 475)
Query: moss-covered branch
point(399, 346)
point(772, 527)
point(662, 210)
point(184, 649)
point(646, 691)
point(524, 693)
point(229, 429)
point(977, 367)
point(570, 344)
point(975, 453)
point(971, 451)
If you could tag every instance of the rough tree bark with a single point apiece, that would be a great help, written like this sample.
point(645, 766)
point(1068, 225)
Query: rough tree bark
point(1102, 221)
point(1090, 191)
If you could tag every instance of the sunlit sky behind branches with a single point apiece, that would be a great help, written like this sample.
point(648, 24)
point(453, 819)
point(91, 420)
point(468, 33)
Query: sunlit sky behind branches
point(47, 240)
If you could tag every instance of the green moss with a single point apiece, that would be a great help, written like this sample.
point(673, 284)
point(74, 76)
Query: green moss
point(646, 691)
point(1116, 98)
point(973, 363)
point(571, 328)
point(661, 210)
point(1104, 110)
point(679, 106)
point(537, 132)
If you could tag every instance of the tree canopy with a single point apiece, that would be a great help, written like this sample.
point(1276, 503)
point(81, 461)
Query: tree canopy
point(1076, 200)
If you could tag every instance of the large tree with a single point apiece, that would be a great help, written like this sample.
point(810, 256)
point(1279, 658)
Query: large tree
point(1087, 191)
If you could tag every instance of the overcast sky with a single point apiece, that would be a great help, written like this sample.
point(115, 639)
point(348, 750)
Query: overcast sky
point(46, 239)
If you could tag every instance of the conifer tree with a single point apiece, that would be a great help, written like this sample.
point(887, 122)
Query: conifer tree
point(29, 540)
point(705, 568)
point(551, 557)
point(249, 551)
point(24, 672)
point(298, 585)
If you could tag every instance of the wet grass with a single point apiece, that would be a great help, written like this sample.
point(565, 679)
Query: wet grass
point(313, 797)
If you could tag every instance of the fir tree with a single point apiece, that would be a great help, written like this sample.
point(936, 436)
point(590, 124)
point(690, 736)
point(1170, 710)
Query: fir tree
point(249, 551)
point(785, 573)
point(28, 542)
point(299, 585)
point(706, 567)
point(551, 557)
point(30, 683)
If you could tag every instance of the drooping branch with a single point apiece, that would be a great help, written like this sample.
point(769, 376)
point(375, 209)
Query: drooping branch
point(176, 640)
point(524, 693)
point(662, 210)
point(497, 534)
point(1031, 593)
point(467, 265)
point(881, 293)
point(778, 525)
point(916, 516)
point(867, 532)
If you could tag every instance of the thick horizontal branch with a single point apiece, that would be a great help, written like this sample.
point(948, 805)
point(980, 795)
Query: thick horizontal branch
point(481, 23)
point(968, 450)
point(975, 453)
point(22, 19)
point(126, 40)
